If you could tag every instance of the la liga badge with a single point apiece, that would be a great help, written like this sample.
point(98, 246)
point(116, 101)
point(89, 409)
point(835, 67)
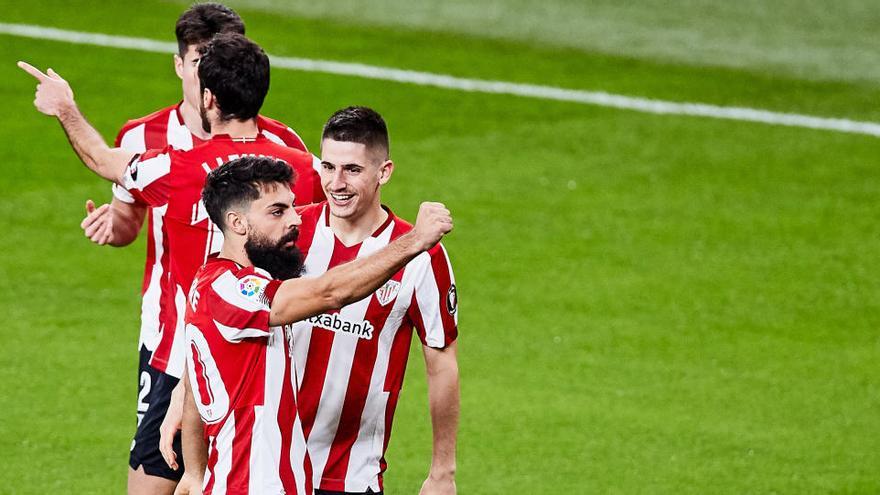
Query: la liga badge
point(251, 286)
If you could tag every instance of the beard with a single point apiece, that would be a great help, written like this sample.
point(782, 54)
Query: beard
point(203, 113)
point(280, 261)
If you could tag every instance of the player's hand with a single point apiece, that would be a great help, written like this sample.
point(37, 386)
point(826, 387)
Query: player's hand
point(438, 486)
point(189, 485)
point(434, 221)
point(171, 425)
point(98, 223)
point(53, 95)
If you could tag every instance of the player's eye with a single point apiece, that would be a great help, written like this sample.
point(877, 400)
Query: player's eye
point(353, 170)
point(327, 166)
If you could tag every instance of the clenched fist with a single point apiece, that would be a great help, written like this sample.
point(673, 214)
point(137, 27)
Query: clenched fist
point(434, 221)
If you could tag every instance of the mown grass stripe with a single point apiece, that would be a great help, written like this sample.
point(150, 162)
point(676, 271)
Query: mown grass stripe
point(598, 98)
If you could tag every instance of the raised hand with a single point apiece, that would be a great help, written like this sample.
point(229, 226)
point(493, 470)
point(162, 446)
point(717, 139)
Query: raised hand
point(434, 221)
point(53, 95)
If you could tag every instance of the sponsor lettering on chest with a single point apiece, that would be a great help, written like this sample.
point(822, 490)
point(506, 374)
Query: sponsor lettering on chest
point(361, 329)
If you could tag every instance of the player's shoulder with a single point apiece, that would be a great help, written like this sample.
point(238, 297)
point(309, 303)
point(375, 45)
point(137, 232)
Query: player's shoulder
point(280, 133)
point(270, 124)
point(159, 116)
point(398, 225)
point(158, 152)
point(296, 158)
point(220, 273)
point(142, 126)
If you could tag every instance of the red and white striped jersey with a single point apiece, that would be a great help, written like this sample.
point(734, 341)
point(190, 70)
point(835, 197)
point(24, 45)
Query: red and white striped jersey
point(160, 130)
point(239, 368)
point(350, 362)
point(172, 180)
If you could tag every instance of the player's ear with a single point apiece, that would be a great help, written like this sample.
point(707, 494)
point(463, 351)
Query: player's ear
point(207, 98)
point(385, 171)
point(236, 222)
point(178, 66)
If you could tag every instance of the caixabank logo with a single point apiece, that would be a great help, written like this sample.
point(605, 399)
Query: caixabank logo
point(362, 329)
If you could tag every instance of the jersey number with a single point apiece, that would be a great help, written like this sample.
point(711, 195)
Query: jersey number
point(209, 390)
point(146, 385)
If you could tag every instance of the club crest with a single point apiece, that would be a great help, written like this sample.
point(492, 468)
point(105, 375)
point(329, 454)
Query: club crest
point(388, 292)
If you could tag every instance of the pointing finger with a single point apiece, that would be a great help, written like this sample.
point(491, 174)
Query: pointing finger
point(30, 69)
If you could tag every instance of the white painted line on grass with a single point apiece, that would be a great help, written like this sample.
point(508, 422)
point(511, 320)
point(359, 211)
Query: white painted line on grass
point(599, 98)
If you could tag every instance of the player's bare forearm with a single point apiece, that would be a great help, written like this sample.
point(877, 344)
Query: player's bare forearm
point(107, 162)
point(443, 401)
point(55, 97)
point(298, 298)
point(127, 221)
point(195, 449)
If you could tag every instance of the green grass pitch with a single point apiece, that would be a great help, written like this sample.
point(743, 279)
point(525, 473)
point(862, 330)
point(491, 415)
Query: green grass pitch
point(649, 304)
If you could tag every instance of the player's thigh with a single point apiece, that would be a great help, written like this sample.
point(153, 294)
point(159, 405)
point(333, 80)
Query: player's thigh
point(145, 454)
point(141, 483)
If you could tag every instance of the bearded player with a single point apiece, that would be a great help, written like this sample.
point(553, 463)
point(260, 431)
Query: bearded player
point(119, 223)
point(239, 362)
point(350, 360)
point(234, 79)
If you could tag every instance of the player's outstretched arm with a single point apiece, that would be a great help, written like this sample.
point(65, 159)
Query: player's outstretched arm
point(54, 97)
point(116, 224)
point(300, 298)
point(443, 401)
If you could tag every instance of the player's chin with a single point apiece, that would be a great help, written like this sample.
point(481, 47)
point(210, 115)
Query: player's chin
point(342, 211)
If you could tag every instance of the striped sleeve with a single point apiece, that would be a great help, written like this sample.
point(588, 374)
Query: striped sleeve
point(130, 138)
point(148, 177)
point(240, 304)
point(434, 306)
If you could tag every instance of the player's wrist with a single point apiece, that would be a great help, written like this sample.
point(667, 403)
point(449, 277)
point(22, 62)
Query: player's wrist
point(67, 111)
point(442, 472)
point(413, 244)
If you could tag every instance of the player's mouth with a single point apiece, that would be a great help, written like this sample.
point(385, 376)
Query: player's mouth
point(341, 199)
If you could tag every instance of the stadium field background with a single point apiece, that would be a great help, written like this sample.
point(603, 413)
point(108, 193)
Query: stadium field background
point(649, 304)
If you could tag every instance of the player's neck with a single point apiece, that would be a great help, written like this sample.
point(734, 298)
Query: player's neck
point(236, 128)
point(192, 119)
point(354, 230)
point(235, 251)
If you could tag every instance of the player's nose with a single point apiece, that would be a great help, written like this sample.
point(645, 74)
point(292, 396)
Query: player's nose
point(295, 219)
point(337, 180)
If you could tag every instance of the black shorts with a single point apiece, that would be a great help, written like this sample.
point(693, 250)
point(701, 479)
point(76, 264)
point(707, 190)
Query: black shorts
point(154, 396)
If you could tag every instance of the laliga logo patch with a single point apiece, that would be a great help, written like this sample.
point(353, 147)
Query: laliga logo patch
point(452, 300)
point(388, 292)
point(251, 286)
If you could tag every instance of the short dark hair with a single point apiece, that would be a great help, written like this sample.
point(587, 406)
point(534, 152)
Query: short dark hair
point(238, 182)
point(202, 21)
point(236, 70)
point(359, 125)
